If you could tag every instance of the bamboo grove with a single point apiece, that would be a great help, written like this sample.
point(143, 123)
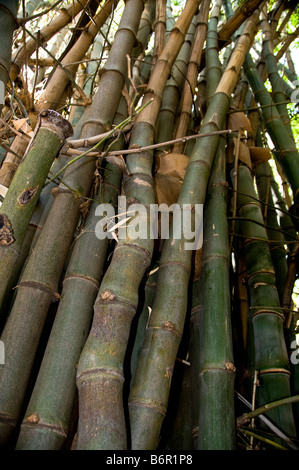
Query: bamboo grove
point(119, 338)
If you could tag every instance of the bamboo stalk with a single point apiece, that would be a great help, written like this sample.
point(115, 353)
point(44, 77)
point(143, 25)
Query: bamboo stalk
point(53, 396)
point(22, 196)
point(54, 94)
point(39, 283)
point(160, 29)
point(194, 347)
point(64, 16)
point(100, 372)
point(149, 393)
point(149, 295)
point(39, 216)
point(216, 368)
point(278, 94)
point(145, 29)
point(8, 23)
point(241, 14)
point(278, 251)
point(172, 92)
point(56, 86)
point(213, 65)
point(185, 111)
point(285, 150)
point(271, 358)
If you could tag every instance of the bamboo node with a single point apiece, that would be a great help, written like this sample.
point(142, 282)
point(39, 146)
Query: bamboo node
point(33, 419)
point(26, 196)
point(107, 295)
point(6, 232)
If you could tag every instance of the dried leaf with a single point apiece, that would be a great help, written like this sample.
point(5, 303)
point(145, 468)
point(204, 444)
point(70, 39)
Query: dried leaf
point(22, 124)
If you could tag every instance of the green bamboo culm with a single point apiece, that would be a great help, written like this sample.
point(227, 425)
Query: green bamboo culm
point(149, 295)
point(274, 232)
point(22, 196)
point(100, 374)
point(278, 92)
point(266, 318)
point(285, 150)
point(150, 388)
point(217, 370)
point(8, 23)
point(39, 283)
point(47, 418)
point(216, 367)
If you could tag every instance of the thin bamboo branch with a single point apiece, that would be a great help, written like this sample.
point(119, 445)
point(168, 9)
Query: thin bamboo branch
point(241, 420)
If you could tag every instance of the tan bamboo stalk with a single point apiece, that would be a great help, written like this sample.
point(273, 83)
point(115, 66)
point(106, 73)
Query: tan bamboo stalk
point(100, 371)
point(52, 97)
point(172, 92)
point(139, 60)
point(54, 50)
point(64, 17)
point(56, 86)
point(88, 77)
point(39, 283)
point(185, 111)
point(11, 161)
point(150, 388)
point(160, 29)
point(241, 14)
